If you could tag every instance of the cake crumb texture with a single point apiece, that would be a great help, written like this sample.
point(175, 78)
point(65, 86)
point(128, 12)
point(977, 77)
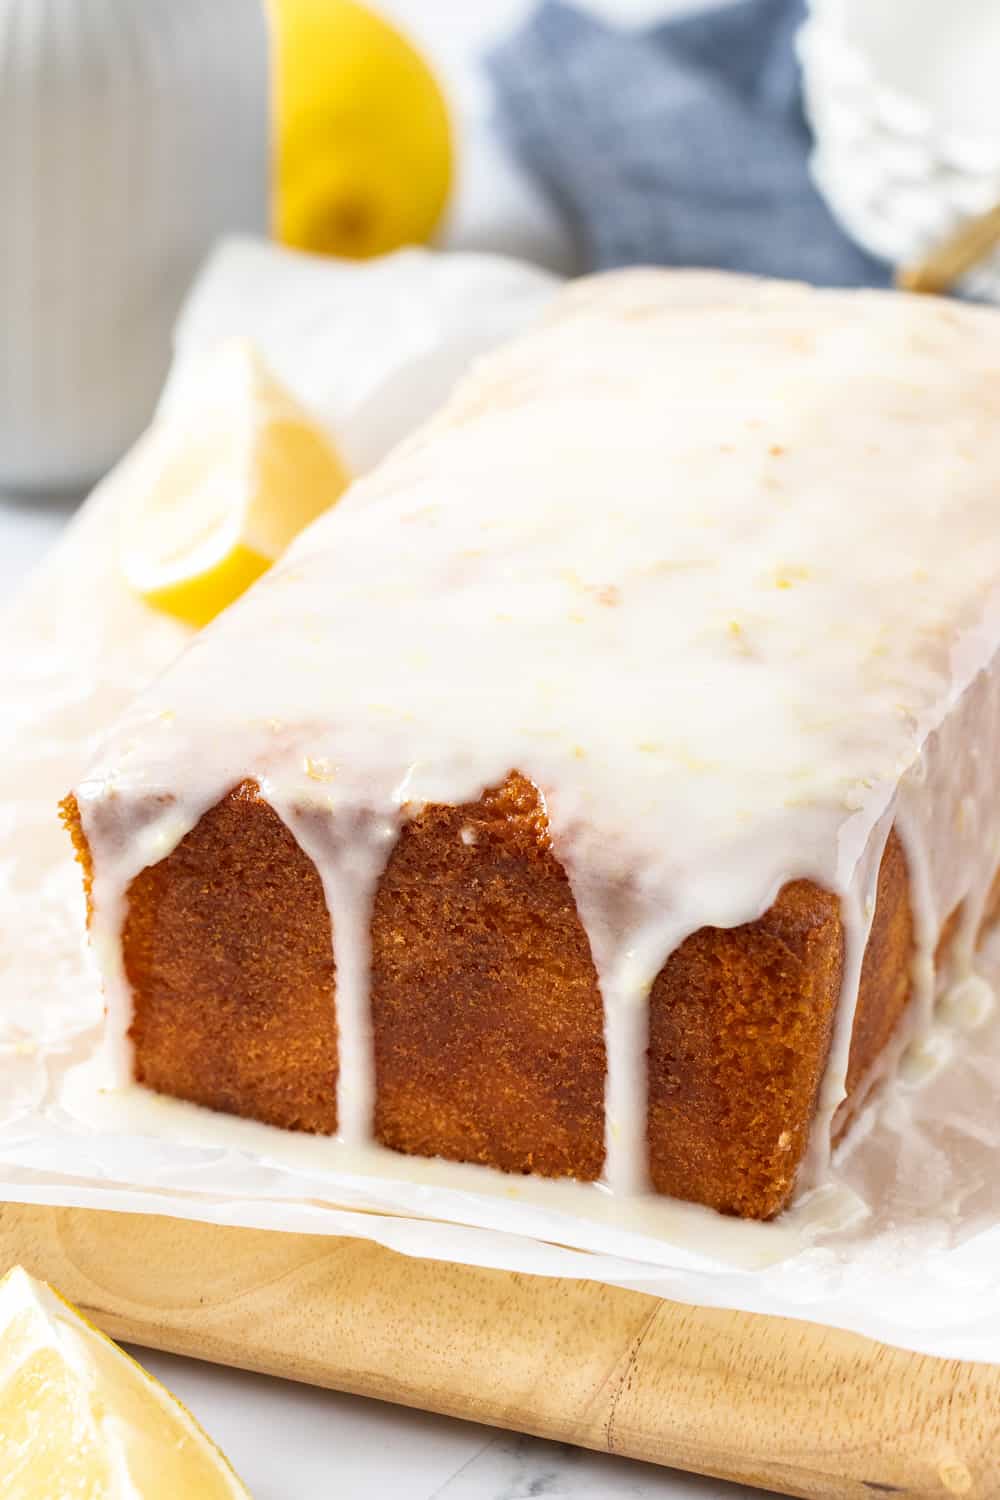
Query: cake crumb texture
point(228, 951)
point(740, 1026)
point(488, 1020)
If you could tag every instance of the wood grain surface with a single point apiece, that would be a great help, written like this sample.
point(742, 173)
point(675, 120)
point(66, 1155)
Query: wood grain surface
point(785, 1405)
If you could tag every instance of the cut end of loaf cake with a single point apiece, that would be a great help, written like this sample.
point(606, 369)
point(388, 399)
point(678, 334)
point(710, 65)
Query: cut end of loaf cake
point(487, 1016)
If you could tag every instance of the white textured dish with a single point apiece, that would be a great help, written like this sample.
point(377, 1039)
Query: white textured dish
point(903, 99)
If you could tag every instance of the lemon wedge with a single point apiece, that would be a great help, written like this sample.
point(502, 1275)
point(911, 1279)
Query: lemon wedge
point(78, 1417)
point(218, 487)
point(363, 157)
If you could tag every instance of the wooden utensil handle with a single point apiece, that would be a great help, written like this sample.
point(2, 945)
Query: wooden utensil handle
point(782, 1404)
point(971, 243)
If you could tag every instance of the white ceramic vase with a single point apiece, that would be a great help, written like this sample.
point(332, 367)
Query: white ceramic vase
point(132, 132)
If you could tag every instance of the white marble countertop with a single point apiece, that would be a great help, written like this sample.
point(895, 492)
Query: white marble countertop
point(292, 1442)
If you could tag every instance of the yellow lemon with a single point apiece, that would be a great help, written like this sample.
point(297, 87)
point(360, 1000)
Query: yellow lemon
point(362, 140)
point(79, 1417)
point(216, 489)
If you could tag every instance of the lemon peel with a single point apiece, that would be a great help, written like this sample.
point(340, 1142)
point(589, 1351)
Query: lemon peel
point(78, 1416)
point(215, 490)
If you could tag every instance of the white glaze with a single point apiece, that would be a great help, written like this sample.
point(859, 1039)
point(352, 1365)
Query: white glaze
point(968, 1004)
point(711, 560)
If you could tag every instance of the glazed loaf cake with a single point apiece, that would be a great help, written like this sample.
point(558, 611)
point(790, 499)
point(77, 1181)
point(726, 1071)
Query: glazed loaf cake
point(604, 789)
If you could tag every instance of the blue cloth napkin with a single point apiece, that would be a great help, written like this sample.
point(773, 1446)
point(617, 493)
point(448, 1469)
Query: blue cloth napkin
point(684, 144)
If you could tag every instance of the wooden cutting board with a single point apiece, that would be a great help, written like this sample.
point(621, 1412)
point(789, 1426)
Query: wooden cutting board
point(772, 1402)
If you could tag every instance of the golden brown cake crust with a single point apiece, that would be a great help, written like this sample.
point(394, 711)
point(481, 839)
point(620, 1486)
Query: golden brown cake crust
point(487, 1016)
point(740, 1027)
point(488, 1022)
point(228, 950)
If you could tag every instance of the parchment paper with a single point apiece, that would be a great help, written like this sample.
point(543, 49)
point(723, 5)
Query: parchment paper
point(906, 1248)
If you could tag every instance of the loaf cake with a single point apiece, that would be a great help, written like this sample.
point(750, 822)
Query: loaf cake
point(604, 789)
